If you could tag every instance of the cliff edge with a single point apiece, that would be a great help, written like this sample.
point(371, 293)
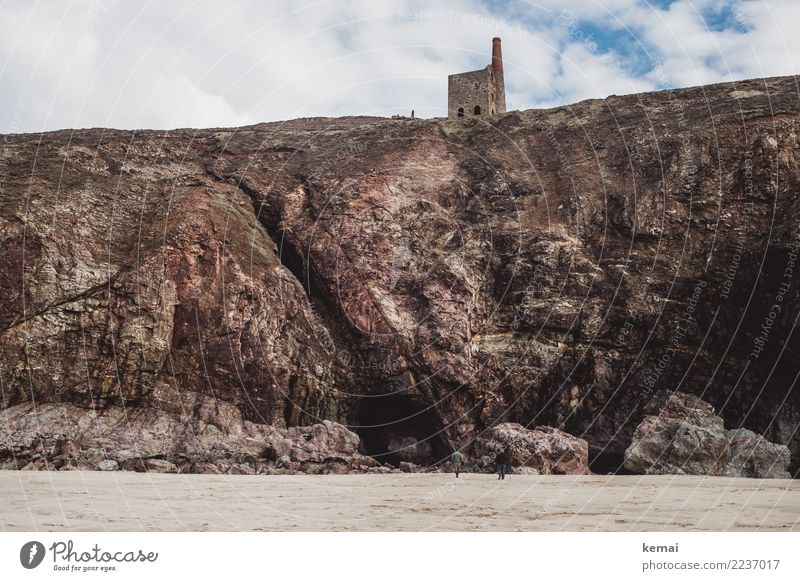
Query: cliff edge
point(419, 281)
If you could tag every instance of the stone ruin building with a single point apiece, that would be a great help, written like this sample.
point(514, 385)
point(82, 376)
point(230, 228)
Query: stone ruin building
point(480, 92)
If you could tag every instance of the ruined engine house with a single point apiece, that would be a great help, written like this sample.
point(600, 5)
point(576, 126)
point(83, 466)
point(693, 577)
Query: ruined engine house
point(480, 92)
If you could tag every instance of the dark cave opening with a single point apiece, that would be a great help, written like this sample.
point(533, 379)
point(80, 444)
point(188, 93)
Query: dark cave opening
point(397, 428)
point(605, 461)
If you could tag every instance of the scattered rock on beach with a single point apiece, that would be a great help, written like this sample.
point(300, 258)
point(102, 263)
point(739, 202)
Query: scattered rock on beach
point(205, 468)
point(162, 466)
point(108, 465)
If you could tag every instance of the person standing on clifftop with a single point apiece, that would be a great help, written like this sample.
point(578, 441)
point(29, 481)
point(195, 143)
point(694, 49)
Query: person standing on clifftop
point(501, 464)
point(457, 459)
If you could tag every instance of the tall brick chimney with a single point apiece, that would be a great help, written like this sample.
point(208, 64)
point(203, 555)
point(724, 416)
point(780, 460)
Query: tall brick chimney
point(499, 81)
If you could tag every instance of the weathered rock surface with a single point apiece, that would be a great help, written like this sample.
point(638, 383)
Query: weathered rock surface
point(682, 435)
point(753, 456)
point(52, 436)
point(544, 449)
point(323, 442)
point(415, 280)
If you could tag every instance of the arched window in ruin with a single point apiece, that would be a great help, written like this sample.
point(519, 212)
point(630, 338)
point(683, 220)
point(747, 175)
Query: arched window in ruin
point(492, 111)
point(477, 110)
point(461, 111)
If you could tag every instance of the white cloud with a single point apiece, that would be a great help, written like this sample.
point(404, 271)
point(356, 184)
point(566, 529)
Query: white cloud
point(199, 63)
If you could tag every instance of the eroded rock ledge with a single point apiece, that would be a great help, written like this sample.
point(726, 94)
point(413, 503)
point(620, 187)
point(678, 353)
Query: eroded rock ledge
point(66, 437)
point(59, 437)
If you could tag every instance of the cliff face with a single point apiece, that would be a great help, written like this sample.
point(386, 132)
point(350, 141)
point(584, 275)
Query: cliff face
point(419, 281)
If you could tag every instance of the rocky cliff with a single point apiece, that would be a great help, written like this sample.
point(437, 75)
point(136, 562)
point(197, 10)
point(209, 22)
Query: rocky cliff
point(417, 280)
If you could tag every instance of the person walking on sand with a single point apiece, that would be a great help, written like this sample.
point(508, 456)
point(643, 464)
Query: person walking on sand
point(501, 464)
point(457, 459)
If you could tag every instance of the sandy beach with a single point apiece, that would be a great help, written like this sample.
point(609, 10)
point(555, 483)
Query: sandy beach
point(128, 501)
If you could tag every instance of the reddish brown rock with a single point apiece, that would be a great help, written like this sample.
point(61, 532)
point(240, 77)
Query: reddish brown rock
point(158, 465)
point(753, 456)
point(414, 280)
point(204, 468)
point(684, 436)
point(160, 442)
point(542, 448)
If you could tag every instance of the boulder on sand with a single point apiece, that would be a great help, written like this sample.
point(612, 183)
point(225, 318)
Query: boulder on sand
point(681, 434)
point(543, 448)
point(753, 456)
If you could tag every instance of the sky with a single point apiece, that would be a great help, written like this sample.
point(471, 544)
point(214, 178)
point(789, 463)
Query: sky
point(162, 64)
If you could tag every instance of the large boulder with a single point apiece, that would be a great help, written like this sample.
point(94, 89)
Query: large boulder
point(543, 448)
point(322, 442)
point(753, 456)
point(681, 434)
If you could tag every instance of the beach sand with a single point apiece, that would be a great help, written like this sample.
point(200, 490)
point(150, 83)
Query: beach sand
point(129, 501)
